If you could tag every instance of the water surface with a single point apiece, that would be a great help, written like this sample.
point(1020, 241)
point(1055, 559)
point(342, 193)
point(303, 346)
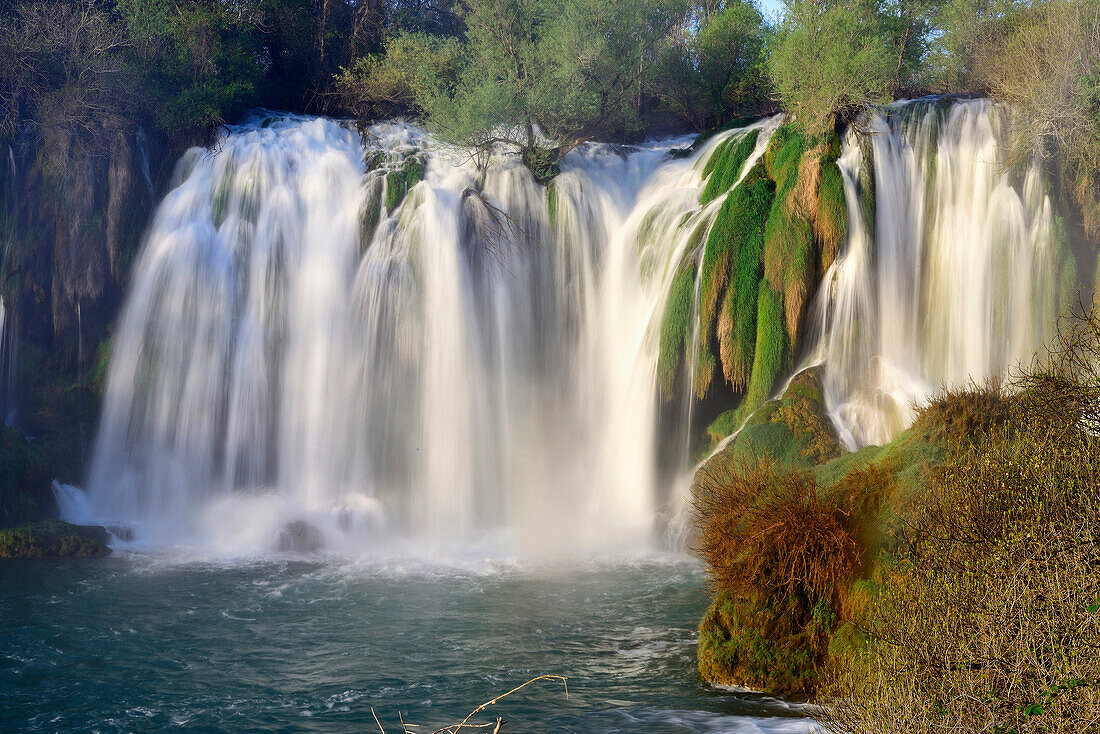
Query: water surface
point(139, 643)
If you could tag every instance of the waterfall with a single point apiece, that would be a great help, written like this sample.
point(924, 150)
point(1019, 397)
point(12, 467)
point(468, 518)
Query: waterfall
point(481, 358)
point(954, 268)
point(364, 338)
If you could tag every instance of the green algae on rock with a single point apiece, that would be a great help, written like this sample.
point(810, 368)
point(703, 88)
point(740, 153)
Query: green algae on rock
point(53, 539)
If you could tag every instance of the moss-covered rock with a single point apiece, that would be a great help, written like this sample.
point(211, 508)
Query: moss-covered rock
point(793, 431)
point(763, 256)
point(724, 166)
point(400, 180)
point(675, 326)
point(53, 539)
point(543, 163)
point(781, 637)
point(758, 644)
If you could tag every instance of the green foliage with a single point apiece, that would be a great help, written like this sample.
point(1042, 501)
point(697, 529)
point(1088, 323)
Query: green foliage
point(724, 165)
point(830, 61)
point(411, 67)
point(52, 538)
point(554, 65)
point(675, 326)
point(196, 62)
point(716, 70)
point(962, 29)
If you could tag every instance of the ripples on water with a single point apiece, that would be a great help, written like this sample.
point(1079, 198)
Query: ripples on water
point(140, 643)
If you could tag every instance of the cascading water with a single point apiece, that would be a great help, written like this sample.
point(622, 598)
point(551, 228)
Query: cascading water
point(305, 340)
point(953, 270)
point(292, 350)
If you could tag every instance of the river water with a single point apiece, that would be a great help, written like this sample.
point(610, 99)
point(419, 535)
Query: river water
point(139, 642)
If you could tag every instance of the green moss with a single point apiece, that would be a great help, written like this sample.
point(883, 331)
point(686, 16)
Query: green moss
point(722, 426)
point(98, 374)
point(782, 158)
point(737, 332)
point(865, 189)
point(552, 204)
point(832, 214)
point(543, 163)
point(724, 166)
point(370, 212)
point(400, 180)
point(219, 200)
point(772, 354)
point(676, 327)
point(762, 644)
point(52, 538)
point(789, 260)
point(793, 431)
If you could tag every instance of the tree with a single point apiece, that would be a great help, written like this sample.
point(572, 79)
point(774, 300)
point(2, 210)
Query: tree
point(714, 69)
point(198, 62)
point(411, 67)
point(961, 27)
point(1044, 63)
point(547, 75)
point(832, 60)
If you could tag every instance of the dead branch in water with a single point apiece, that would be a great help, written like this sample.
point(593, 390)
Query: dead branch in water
point(464, 724)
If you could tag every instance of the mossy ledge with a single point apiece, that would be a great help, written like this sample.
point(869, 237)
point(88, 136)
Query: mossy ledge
point(53, 539)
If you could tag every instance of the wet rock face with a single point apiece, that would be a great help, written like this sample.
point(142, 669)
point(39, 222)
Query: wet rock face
point(299, 536)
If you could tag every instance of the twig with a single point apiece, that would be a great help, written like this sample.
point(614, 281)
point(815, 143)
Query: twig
point(376, 721)
point(454, 729)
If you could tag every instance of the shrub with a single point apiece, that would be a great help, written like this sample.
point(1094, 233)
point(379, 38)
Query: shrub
point(831, 60)
point(782, 556)
point(993, 621)
point(715, 70)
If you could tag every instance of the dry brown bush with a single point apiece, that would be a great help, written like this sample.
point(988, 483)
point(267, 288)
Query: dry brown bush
point(765, 531)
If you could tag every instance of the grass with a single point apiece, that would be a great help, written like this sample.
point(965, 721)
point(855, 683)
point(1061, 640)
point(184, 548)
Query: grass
point(724, 165)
